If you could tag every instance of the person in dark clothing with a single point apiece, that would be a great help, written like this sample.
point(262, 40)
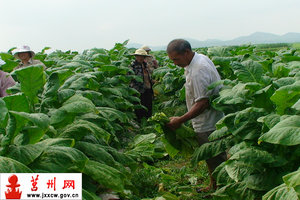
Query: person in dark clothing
point(139, 68)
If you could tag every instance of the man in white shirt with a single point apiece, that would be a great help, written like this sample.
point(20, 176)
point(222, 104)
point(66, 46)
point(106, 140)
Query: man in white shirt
point(200, 72)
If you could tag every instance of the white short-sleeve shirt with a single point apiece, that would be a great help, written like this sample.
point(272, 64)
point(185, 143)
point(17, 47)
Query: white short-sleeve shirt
point(201, 73)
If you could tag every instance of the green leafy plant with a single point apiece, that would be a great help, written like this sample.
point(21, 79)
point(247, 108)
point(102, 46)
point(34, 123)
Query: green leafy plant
point(181, 140)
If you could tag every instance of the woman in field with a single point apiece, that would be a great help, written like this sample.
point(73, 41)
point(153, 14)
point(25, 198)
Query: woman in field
point(139, 66)
point(26, 56)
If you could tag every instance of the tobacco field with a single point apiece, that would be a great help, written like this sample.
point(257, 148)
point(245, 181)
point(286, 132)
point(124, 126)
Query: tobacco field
point(78, 116)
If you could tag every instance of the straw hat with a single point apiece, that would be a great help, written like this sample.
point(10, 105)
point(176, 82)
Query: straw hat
point(146, 48)
point(140, 52)
point(23, 49)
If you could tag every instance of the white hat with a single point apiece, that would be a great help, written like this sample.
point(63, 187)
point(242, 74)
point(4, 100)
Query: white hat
point(2, 62)
point(23, 49)
point(140, 52)
point(146, 48)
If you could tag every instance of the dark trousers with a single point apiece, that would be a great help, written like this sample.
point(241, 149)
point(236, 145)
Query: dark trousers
point(214, 162)
point(146, 100)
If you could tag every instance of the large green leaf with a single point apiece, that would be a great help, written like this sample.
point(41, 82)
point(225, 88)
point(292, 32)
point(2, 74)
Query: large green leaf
point(57, 142)
point(10, 62)
point(252, 175)
point(226, 121)
point(245, 123)
point(294, 66)
point(34, 133)
point(26, 154)
point(249, 114)
point(238, 147)
point(10, 130)
point(79, 65)
point(293, 180)
point(17, 102)
point(56, 159)
point(84, 82)
point(96, 152)
point(70, 80)
point(108, 68)
point(109, 90)
point(284, 81)
point(211, 149)
point(256, 156)
point(140, 139)
point(39, 119)
point(81, 128)
point(280, 70)
point(286, 132)
point(3, 111)
point(64, 94)
point(221, 175)
point(234, 191)
point(95, 97)
point(107, 176)
point(262, 98)
point(32, 79)
point(77, 104)
point(112, 114)
point(235, 95)
point(120, 157)
point(141, 151)
point(261, 181)
point(218, 51)
point(270, 120)
point(8, 165)
point(286, 96)
point(89, 195)
point(281, 192)
point(52, 85)
point(63, 75)
point(170, 149)
point(50, 90)
point(248, 71)
point(238, 171)
point(219, 133)
point(297, 105)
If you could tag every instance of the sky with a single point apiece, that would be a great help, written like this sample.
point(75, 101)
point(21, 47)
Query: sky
point(85, 24)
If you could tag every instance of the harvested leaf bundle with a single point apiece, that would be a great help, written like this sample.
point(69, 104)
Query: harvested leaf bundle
point(181, 140)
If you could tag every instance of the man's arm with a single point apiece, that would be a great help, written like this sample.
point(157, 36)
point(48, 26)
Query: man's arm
point(196, 110)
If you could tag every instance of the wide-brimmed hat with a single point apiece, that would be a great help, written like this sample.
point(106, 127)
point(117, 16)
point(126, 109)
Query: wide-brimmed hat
point(23, 49)
point(140, 52)
point(146, 48)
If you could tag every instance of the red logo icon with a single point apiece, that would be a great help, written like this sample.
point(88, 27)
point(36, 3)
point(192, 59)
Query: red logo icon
point(12, 193)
